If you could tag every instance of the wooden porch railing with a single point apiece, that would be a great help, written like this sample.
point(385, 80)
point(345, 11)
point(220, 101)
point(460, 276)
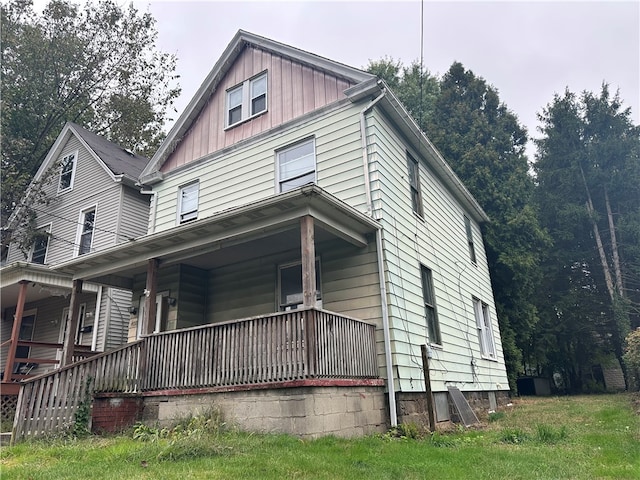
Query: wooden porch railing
point(306, 343)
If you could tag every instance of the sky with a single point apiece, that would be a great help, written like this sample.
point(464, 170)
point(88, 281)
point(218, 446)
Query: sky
point(527, 50)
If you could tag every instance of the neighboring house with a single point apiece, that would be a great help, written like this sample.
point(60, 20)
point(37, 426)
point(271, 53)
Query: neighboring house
point(295, 184)
point(93, 205)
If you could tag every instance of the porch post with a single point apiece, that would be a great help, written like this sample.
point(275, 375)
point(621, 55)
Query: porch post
point(308, 247)
point(72, 324)
point(149, 319)
point(308, 261)
point(15, 332)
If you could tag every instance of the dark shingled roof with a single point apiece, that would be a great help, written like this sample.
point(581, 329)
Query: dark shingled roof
point(118, 160)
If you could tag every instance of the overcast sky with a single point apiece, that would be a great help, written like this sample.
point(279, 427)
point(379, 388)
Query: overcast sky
point(527, 50)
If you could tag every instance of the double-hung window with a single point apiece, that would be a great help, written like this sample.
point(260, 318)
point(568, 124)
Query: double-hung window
point(246, 100)
point(87, 227)
point(414, 185)
point(67, 171)
point(296, 165)
point(188, 202)
point(428, 295)
point(472, 250)
point(290, 286)
point(485, 333)
point(40, 245)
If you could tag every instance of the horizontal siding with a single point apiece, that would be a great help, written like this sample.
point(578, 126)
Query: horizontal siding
point(92, 187)
point(292, 90)
point(117, 303)
point(247, 174)
point(439, 242)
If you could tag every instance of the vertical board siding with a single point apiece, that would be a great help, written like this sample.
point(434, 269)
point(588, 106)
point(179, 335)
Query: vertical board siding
point(247, 174)
point(439, 242)
point(292, 90)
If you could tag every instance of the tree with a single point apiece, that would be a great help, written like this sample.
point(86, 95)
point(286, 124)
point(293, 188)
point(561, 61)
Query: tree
point(485, 145)
point(96, 66)
point(588, 173)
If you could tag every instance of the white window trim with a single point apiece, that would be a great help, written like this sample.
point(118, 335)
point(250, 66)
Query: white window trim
point(485, 330)
point(290, 147)
point(413, 162)
point(47, 227)
point(182, 188)
point(246, 100)
point(73, 172)
point(79, 232)
point(283, 307)
point(468, 226)
point(435, 342)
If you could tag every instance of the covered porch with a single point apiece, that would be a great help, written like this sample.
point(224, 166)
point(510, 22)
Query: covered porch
point(281, 293)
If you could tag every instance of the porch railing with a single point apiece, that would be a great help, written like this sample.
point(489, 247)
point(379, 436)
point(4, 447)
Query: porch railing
point(300, 344)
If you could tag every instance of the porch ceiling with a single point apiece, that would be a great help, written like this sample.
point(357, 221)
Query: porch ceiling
point(259, 229)
point(43, 283)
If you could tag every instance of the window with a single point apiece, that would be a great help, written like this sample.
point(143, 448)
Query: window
point(247, 100)
point(290, 283)
point(87, 226)
point(188, 202)
point(472, 250)
point(414, 183)
point(485, 334)
point(40, 245)
point(297, 166)
point(67, 169)
point(430, 306)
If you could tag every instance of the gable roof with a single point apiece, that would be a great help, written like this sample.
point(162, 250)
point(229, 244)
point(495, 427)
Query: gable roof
point(120, 164)
point(240, 41)
point(118, 160)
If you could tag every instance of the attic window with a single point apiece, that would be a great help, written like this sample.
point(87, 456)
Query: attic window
point(67, 170)
point(246, 100)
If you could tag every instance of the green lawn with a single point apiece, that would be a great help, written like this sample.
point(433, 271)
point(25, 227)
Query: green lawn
point(582, 437)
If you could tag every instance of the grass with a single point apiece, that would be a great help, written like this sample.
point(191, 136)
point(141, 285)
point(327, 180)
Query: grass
point(584, 437)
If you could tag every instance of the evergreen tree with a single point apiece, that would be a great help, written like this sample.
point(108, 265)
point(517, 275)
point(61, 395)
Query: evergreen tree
point(588, 173)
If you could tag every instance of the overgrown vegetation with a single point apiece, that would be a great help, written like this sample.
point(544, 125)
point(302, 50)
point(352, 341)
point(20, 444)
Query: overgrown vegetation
point(570, 437)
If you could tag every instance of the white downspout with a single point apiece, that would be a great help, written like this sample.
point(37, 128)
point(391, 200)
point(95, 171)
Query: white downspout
point(383, 289)
point(154, 206)
point(96, 320)
point(365, 157)
point(385, 329)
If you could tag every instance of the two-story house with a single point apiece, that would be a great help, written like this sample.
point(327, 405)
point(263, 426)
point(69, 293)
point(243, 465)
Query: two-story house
point(305, 240)
point(93, 204)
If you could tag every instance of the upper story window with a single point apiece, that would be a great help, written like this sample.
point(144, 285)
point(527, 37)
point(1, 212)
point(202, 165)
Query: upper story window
point(41, 245)
point(429, 297)
point(297, 165)
point(414, 185)
point(87, 227)
point(472, 250)
point(188, 202)
point(485, 333)
point(67, 171)
point(246, 100)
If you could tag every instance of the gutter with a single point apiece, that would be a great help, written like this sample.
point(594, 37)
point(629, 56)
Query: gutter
point(154, 206)
point(383, 289)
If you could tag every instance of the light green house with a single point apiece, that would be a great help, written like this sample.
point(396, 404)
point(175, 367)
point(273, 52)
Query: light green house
point(292, 183)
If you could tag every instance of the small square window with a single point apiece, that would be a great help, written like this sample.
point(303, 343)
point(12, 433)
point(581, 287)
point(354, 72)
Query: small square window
point(188, 203)
point(246, 100)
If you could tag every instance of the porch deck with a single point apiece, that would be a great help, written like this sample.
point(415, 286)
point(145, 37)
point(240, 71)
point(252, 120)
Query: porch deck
point(282, 347)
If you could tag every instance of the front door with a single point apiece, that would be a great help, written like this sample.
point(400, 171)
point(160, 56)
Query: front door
point(159, 325)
